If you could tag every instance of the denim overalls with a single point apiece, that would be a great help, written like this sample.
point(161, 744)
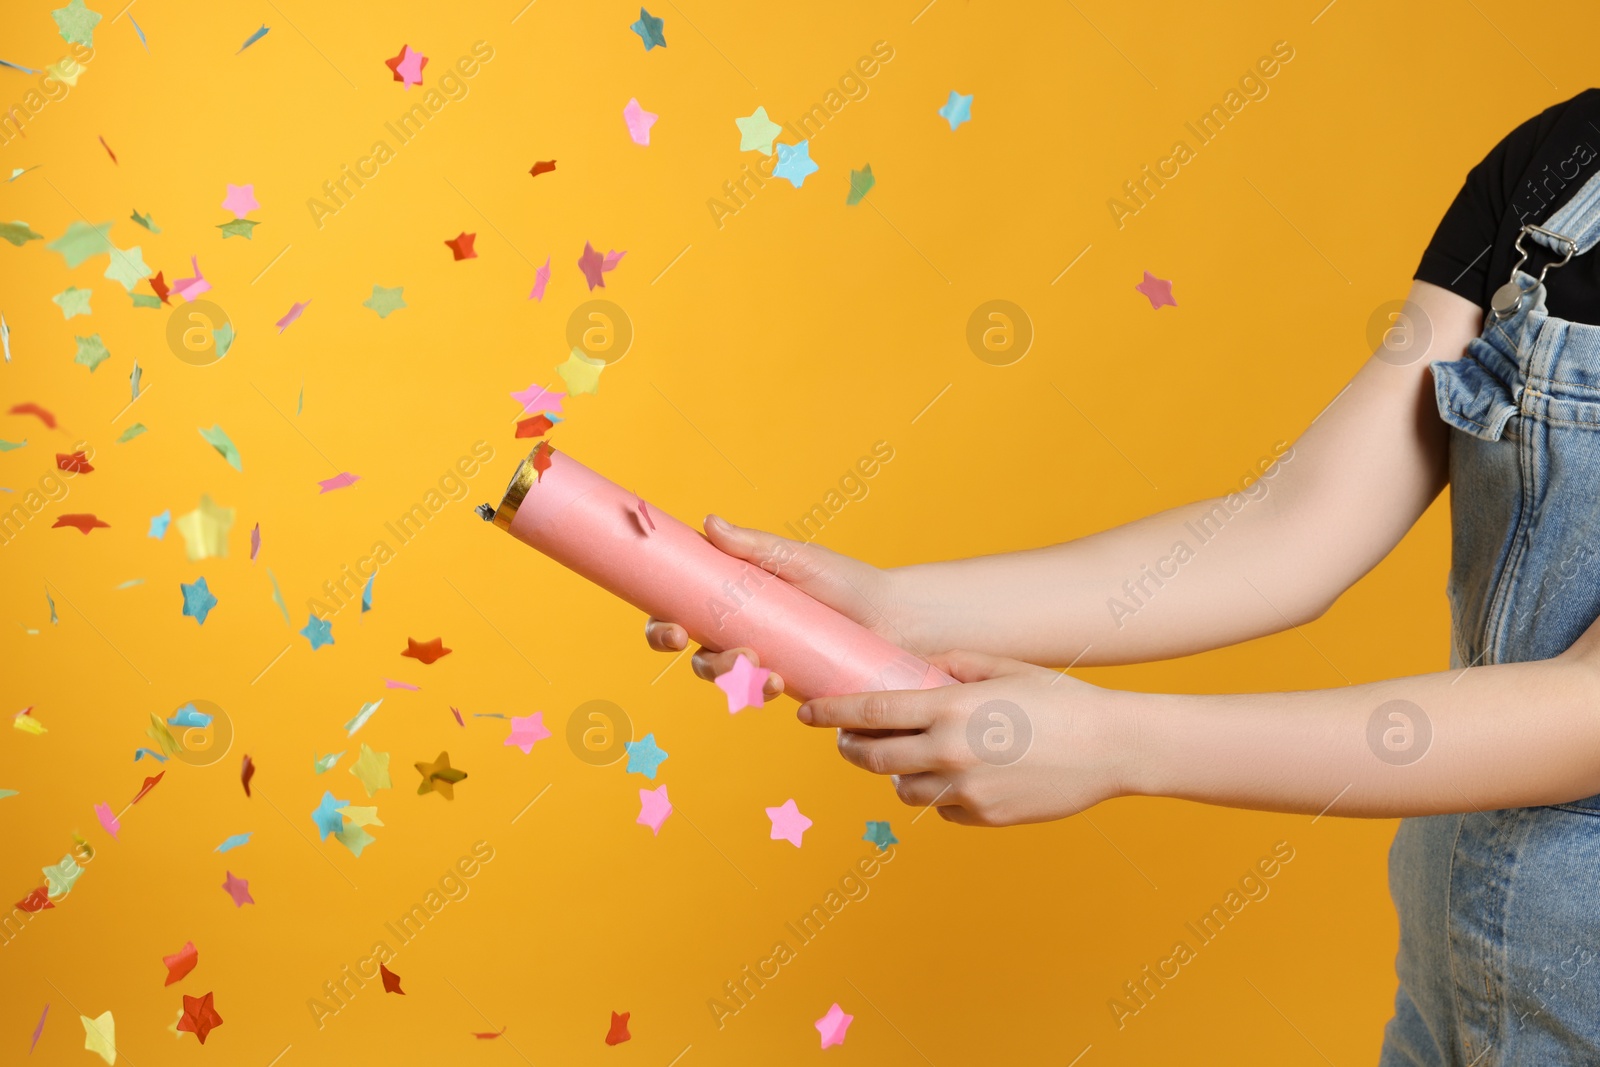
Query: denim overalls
point(1499, 960)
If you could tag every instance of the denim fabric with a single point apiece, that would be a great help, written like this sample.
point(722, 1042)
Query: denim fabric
point(1499, 960)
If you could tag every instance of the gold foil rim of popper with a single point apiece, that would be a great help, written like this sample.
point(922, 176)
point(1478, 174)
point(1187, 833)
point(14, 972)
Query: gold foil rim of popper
point(521, 481)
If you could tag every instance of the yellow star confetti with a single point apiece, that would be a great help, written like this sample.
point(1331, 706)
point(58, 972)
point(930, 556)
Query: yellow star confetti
point(100, 1036)
point(581, 373)
point(205, 530)
point(373, 769)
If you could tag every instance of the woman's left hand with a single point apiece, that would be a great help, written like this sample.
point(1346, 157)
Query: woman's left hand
point(1013, 743)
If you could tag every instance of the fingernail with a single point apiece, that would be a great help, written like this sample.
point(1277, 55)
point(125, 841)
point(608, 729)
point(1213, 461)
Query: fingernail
point(803, 713)
point(678, 638)
point(719, 522)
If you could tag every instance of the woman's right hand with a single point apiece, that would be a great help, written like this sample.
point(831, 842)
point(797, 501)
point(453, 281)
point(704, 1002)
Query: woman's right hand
point(855, 589)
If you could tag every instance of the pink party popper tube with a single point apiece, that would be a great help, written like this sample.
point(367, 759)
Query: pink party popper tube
point(596, 528)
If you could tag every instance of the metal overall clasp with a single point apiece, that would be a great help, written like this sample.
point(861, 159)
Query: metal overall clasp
point(1511, 297)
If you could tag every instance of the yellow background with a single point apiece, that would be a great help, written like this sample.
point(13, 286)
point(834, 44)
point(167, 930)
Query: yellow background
point(769, 357)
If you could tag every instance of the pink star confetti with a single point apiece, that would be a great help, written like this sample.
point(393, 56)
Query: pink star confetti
point(639, 122)
point(107, 820)
point(390, 683)
point(644, 513)
point(293, 313)
point(255, 542)
point(541, 278)
point(239, 890)
point(537, 398)
point(595, 266)
point(241, 200)
point(189, 288)
point(407, 66)
point(654, 807)
point(742, 682)
point(1157, 290)
point(342, 480)
point(833, 1025)
point(527, 730)
point(459, 720)
point(787, 823)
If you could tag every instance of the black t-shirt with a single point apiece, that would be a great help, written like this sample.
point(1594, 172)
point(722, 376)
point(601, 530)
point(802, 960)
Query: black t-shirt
point(1538, 167)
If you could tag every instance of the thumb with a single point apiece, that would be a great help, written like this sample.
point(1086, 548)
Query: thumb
point(792, 561)
point(966, 666)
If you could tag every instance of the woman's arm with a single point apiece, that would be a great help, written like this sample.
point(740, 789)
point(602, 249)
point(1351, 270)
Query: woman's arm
point(1021, 744)
point(1183, 581)
point(1223, 570)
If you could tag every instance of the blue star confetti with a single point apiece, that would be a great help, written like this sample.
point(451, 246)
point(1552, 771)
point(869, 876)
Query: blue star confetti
point(957, 109)
point(318, 631)
point(794, 163)
point(197, 600)
point(644, 756)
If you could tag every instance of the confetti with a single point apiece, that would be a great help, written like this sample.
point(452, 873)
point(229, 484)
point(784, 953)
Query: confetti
point(390, 683)
point(73, 301)
point(149, 784)
point(880, 834)
point(247, 772)
point(326, 815)
point(241, 200)
point(526, 731)
point(5, 337)
point(644, 756)
point(794, 163)
point(372, 769)
point(833, 1025)
point(407, 67)
point(644, 513)
point(581, 373)
point(108, 821)
point(639, 122)
point(76, 24)
point(37, 1030)
point(218, 438)
point(459, 720)
point(140, 32)
point(654, 807)
point(146, 221)
point(541, 459)
point(361, 816)
point(254, 37)
point(541, 279)
point(100, 1033)
point(91, 352)
point(81, 523)
point(426, 651)
point(366, 595)
point(384, 301)
point(291, 315)
point(127, 267)
point(619, 1028)
point(107, 147)
point(158, 524)
point(130, 583)
point(82, 241)
point(51, 601)
point(76, 462)
point(757, 132)
point(233, 842)
point(439, 777)
point(277, 597)
point(461, 245)
point(787, 823)
point(205, 530)
point(7, 446)
point(342, 480)
point(199, 1017)
point(34, 409)
point(649, 30)
point(957, 109)
point(180, 963)
point(536, 426)
point(239, 890)
point(239, 228)
point(1157, 290)
point(481, 1035)
point(361, 717)
point(861, 183)
point(197, 600)
point(158, 285)
point(134, 377)
point(24, 721)
point(328, 762)
point(189, 288)
point(533, 398)
point(391, 981)
point(20, 233)
point(742, 683)
point(255, 541)
point(354, 838)
point(60, 878)
point(542, 167)
point(319, 632)
point(594, 266)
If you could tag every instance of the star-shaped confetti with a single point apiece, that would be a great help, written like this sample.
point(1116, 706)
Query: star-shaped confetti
point(76, 24)
point(108, 821)
point(233, 842)
point(100, 1034)
point(73, 301)
point(649, 30)
point(537, 398)
point(461, 245)
point(384, 301)
point(391, 981)
point(439, 777)
point(619, 1028)
point(957, 109)
point(20, 233)
point(536, 426)
point(742, 683)
point(239, 228)
point(204, 530)
point(426, 651)
point(407, 66)
point(76, 462)
point(787, 823)
point(594, 266)
point(197, 600)
point(239, 890)
point(372, 768)
point(861, 183)
point(543, 166)
point(199, 1016)
point(246, 772)
point(541, 280)
point(355, 837)
point(833, 1025)
point(149, 784)
point(180, 962)
point(241, 200)
point(581, 373)
point(189, 288)
point(1157, 290)
point(526, 731)
point(794, 163)
point(326, 815)
point(654, 807)
point(59, 878)
point(294, 312)
point(81, 241)
point(80, 522)
point(644, 756)
point(127, 267)
point(146, 221)
point(880, 834)
point(91, 352)
point(757, 132)
point(639, 121)
point(318, 631)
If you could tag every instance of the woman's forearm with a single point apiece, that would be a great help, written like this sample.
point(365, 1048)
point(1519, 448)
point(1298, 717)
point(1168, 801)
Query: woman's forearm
point(1512, 735)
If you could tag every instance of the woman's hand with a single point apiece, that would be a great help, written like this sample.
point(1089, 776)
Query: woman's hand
point(1012, 744)
point(856, 590)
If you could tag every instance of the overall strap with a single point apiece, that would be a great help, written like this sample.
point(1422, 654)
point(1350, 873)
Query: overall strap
point(1577, 219)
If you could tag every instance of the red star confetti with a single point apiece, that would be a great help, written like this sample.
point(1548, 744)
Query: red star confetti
point(149, 784)
point(537, 426)
point(461, 245)
point(391, 981)
point(76, 462)
point(426, 651)
point(38, 900)
point(541, 459)
point(247, 772)
point(483, 1035)
point(199, 1016)
point(407, 67)
point(34, 409)
point(107, 147)
point(82, 523)
point(1157, 290)
point(158, 285)
point(543, 167)
point(180, 962)
point(459, 720)
point(619, 1028)
point(644, 512)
